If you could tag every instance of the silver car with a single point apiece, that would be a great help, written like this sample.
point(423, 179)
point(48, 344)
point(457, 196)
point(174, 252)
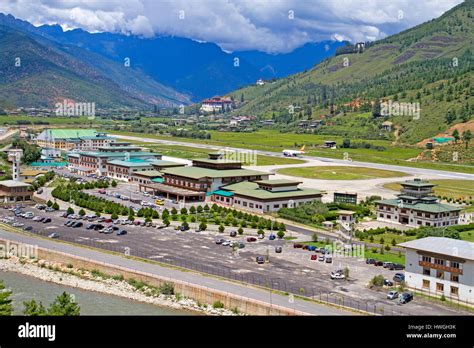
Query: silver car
point(392, 295)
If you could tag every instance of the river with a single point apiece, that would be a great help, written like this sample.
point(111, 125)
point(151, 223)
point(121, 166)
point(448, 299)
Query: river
point(26, 288)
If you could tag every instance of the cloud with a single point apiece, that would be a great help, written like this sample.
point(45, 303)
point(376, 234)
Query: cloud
point(265, 25)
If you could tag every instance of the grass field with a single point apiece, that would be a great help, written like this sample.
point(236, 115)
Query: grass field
point(388, 237)
point(188, 152)
point(272, 140)
point(446, 188)
point(467, 236)
point(339, 173)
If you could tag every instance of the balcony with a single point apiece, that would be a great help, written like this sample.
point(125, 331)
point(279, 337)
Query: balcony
point(427, 264)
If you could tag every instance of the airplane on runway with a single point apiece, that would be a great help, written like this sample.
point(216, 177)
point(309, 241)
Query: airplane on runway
point(294, 153)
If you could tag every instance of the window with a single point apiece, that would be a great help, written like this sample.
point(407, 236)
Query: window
point(454, 290)
point(426, 284)
point(454, 278)
point(426, 259)
point(439, 261)
point(426, 271)
point(454, 264)
point(440, 274)
point(440, 287)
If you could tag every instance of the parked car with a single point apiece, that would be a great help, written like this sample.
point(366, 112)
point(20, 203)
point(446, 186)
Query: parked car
point(77, 224)
point(241, 245)
point(102, 191)
point(406, 297)
point(121, 232)
point(226, 243)
point(28, 228)
point(378, 263)
point(233, 233)
point(278, 249)
point(370, 261)
point(396, 267)
point(314, 257)
point(261, 236)
point(328, 259)
point(272, 237)
point(53, 235)
point(311, 248)
point(70, 223)
point(260, 260)
point(387, 264)
point(392, 295)
point(297, 246)
point(90, 226)
point(47, 220)
point(337, 275)
point(387, 282)
point(399, 277)
point(321, 258)
point(220, 241)
point(251, 239)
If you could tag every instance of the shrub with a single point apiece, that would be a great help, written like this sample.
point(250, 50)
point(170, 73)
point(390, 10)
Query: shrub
point(240, 231)
point(280, 234)
point(221, 228)
point(217, 304)
point(166, 289)
point(377, 280)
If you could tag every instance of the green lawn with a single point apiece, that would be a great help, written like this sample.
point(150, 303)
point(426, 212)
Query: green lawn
point(467, 236)
point(463, 189)
point(188, 152)
point(387, 256)
point(388, 237)
point(272, 140)
point(340, 173)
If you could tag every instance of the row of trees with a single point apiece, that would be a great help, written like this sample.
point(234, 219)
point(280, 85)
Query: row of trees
point(466, 137)
point(63, 305)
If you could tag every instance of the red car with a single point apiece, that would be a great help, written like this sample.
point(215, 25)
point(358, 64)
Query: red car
point(251, 239)
point(102, 191)
point(137, 223)
point(297, 246)
point(108, 221)
point(378, 263)
point(314, 257)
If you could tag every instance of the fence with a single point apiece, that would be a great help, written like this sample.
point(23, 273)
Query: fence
point(276, 284)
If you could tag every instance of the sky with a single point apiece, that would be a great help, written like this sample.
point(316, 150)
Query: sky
point(273, 26)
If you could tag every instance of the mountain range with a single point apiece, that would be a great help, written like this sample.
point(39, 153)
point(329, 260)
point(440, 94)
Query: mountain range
point(430, 64)
point(116, 70)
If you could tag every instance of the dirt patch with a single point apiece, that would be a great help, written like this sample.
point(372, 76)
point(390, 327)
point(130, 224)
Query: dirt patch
point(461, 127)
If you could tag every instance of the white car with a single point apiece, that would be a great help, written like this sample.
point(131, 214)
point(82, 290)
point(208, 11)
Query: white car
point(226, 243)
point(336, 275)
point(392, 295)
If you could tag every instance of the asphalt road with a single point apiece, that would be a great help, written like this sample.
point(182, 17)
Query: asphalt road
point(290, 271)
point(194, 278)
point(412, 170)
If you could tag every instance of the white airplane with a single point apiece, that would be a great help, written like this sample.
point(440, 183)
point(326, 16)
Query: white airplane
point(294, 153)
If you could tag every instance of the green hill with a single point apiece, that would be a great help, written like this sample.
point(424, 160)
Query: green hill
point(430, 64)
point(48, 73)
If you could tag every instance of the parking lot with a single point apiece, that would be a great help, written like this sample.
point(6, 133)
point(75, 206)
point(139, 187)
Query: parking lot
point(290, 271)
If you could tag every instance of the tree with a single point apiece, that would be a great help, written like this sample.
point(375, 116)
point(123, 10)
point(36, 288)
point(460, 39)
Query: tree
point(280, 234)
point(34, 309)
point(260, 231)
point(192, 210)
point(314, 237)
point(346, 273)
point(6, 307)
point(64, 305)
point(221, 228)
point(131, 217)
point(202, 226)
point(49, 203)
point(70, 211)
point(456, 136)
point(466, 137)
point(185, 225)
point(114, 216)
point(240, 231)
point(166, 222)
point(346, 143)
point(82, 212)
point(114, 183)
point(184, 211)
point(55, 206)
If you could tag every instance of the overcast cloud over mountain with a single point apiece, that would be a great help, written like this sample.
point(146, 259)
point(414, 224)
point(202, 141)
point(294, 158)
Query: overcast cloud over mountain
point(265, 25)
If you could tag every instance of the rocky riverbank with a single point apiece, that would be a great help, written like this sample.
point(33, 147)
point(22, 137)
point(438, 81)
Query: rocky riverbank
point(95, 281)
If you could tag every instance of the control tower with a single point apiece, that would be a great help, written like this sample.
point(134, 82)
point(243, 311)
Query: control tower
point(14, 156)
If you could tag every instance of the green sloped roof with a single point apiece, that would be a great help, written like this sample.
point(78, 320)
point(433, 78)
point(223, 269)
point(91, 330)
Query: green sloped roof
point(425, 207)
point(251, 189)
point(71, 133)
point(196, 172)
